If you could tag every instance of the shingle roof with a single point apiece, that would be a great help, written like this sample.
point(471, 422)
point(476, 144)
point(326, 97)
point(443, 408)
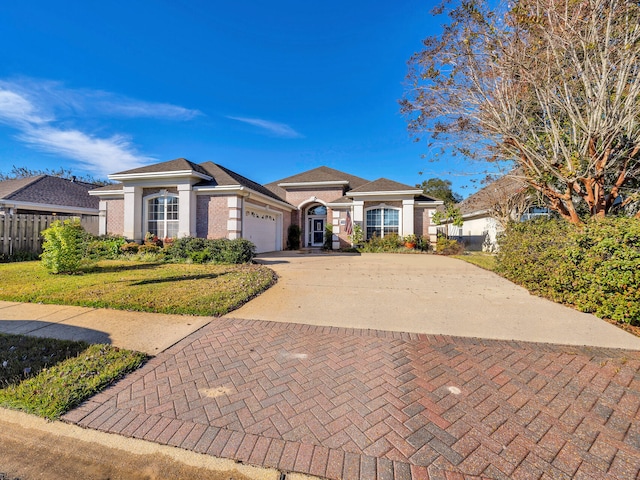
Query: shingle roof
point(48, 190)
point(177, 165)
point(485, 198)
point(224, 176)
point(322, 174)
point(382, 185)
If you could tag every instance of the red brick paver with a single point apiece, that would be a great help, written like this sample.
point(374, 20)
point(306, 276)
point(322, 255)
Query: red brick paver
point(346, 403)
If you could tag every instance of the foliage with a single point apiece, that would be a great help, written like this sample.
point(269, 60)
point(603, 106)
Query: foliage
point(328, 237)
point(440, 190)
point(448, 246)
point(58, 375)
point(293, 237)
point(106, 247)
point(130, 247)
point(357, 237)
point(132, 285)
point(552, 85)
point(24, 172)
point(389, 243)
point(596, 268)
point(203, 250)
point(19, 256)
point(64, 247)
point(423, 243)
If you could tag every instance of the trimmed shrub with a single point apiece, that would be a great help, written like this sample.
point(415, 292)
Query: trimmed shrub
point(202, 250)
point(448, 246)
point(595, 268)
point(293, 237)
point(389, 243)
point(106, 247)
point(64, 247)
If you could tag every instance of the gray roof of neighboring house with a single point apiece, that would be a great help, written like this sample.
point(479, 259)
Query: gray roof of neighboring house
point(485, 198)
point(48, 190)
point(382, 185)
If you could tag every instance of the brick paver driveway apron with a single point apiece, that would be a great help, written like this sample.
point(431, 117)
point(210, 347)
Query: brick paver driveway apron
point(370, 404)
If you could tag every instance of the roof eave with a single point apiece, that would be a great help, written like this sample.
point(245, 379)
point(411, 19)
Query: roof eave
point(242, 191)
point(394, 193)
point(328, 183)
point(144, 175)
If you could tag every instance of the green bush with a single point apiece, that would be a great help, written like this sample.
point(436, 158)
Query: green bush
point(389, 243)
point(106, 247)
point(130, 247)
point(293, 237)
point(64, 247)
point(202, 250)
point(595, 268)
point(448, 246)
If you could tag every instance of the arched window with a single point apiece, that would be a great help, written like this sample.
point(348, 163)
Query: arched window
point(382, 221)
point(162, 215)
point(317, 210)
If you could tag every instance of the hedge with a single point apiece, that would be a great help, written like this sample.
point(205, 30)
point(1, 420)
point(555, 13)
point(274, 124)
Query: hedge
point(594, 267)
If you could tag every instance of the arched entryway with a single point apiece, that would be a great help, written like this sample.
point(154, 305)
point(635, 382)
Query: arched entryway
point(315, 222)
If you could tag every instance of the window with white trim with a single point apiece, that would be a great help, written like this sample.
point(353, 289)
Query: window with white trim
point(382, 221)
point(162, 216)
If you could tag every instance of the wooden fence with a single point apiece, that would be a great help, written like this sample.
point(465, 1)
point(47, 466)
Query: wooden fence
point(21, 233)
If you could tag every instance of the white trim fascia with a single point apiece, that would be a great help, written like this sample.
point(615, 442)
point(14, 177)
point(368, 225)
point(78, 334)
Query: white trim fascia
point(424, 203)
point(327, 183)
point(339, 205)
point(243, 192)
point(154, 175)
point(395, 193)
point(106, 193)
point(48, 206)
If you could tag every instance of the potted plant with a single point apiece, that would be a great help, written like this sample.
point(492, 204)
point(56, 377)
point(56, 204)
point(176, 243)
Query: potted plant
point(410, 241)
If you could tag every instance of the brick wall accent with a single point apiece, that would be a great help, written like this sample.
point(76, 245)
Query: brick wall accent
point(115, 216)
point(212, 214)
point(297, 196)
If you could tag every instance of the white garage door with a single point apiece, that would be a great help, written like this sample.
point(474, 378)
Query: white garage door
point(260, 227)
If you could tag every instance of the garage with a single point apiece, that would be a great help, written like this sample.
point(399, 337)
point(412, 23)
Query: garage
point(261, 228)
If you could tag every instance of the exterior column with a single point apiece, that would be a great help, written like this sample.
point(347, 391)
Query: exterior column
point(407, 217)
point(186, 211)
point(102, 218)
point(234, 223)
point(133, 213)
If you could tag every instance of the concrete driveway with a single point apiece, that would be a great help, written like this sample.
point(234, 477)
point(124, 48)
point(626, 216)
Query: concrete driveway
point(421, 294)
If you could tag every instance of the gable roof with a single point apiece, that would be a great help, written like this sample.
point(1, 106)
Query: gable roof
point(485, 198)
point(322, 174)
point(223, 176)
point(48, 190)
point(177, 165)
point(384, 185)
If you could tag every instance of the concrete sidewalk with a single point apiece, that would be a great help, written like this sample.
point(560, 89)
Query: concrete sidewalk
point(145, 332)
point(421, 294)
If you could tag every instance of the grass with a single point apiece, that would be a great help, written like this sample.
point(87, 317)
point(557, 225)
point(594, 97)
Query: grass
point(194, 289)
point(48, 377)
point(482, 260)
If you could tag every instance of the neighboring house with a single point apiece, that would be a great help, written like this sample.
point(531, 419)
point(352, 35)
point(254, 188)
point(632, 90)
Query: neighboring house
point(180, 198)
point(47, 195)
point(486, 212)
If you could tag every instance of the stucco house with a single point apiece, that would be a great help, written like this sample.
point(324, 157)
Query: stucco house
point(180, 198)
point(486, 212)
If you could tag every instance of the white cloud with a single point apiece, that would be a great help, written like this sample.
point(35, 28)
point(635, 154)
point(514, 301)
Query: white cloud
point(273, 128)
point(101, 156)
point(35, 107)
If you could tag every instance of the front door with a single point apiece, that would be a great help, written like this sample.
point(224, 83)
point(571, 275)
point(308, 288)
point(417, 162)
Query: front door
point(316, 231)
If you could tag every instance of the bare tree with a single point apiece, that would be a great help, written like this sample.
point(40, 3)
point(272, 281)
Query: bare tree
point(552, 85)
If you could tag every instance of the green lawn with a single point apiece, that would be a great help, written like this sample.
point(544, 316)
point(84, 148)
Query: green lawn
point(48, 377)
point(130, 285)
point(482, 260)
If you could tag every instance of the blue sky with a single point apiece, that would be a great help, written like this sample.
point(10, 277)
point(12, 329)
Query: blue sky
point(268, 89)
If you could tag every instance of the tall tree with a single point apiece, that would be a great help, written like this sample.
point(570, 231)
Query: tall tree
point(551, 85)
point(440, 189)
